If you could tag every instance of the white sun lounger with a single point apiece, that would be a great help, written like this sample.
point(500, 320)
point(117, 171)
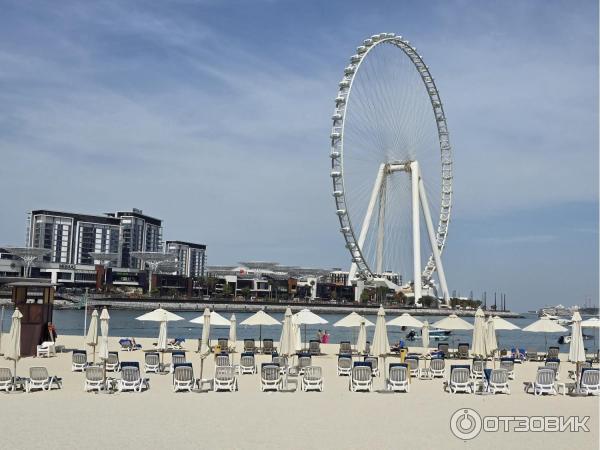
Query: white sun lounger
point(312, 380)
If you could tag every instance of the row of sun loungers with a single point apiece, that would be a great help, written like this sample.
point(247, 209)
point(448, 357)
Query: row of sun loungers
point(39, 379)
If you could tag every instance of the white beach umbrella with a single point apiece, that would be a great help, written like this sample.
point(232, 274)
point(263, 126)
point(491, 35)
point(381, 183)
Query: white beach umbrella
point(216, 320)
point(205, 344)
point(503, 324)
point(353, 320)
point(592, 322)
point(405, 320)
point(163, 316)
point(13, 347)
point(91, 337)
point(233, 330)
point(361, 342)
point(381, 345)
point(159, 315)
point(307, 317)
point(103, 349)
point(479, 334)
point(576, 347)
point(452, 322)
point(545, 325)
point(297, 336)
point(259, 319)
point(425, 336)
point(491, 342)
point(287, 344)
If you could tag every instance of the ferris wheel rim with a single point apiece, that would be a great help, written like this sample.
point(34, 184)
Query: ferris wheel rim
point(337, 150)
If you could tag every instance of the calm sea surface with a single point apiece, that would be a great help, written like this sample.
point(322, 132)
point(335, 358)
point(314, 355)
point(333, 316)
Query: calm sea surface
point(123, 323)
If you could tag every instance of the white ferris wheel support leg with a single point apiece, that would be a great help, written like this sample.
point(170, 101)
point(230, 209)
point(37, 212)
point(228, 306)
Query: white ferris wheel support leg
point(416, 230)
point(434, 247)
point(367, 220)
point(381, 227)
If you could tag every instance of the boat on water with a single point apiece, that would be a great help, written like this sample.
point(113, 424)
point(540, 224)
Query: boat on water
point(566, 339)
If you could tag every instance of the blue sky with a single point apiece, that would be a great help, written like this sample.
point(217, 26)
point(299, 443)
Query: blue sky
point(214, 116)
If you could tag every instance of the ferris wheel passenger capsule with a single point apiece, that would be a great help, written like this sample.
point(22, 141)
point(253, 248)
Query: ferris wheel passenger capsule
point(344, 84)
point(338, 193)
point(337, 116)
point(355, 58)
point(340, 99)
point(335, 174)
point(361, 49)
point(368, 42)
point(334, 155)
point(341, 212)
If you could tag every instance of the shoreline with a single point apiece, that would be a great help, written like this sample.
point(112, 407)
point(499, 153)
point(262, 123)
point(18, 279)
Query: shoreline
point(220, 306)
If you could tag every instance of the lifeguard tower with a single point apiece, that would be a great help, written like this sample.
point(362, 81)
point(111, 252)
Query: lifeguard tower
point(36, 303)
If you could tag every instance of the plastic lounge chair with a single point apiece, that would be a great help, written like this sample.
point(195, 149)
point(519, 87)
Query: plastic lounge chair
point(112, 363)
point(128, 345)
point(462, 351)
point(131, 379)
point(498, 381)
point(361, 378)
point(6, 380)
point(444, 348)
point(268, 347)
point(152, 362)
point(344, 365)
point(413, 365)
point(312, 380)
point(552, 352)
point(183, 377)
point(39, 379)
point(270, 377)
point(314, 347)
point(79, 361)
point(438, 367)
point(176, 343)
point(545, 382)
point(590, 381)
point(304, 360)
point(374, 364)
point(46, 349)
point(460, 379)
point(247, 363)
point(509, 365)
point(532, 355)
point(345, 348)
point(398, 378)
point(553, 363)
point(477, 369)
point(249, 345)
point(222, 361)
point(94, 379)
point(225, 379)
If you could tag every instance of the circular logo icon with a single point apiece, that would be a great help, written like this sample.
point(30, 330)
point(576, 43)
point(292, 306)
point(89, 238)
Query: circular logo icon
point(465, 424)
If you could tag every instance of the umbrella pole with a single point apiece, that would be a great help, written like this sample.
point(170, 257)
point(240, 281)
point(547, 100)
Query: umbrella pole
point(201, 371)
point(260, 337)
point(15, 372)
point(2, 329)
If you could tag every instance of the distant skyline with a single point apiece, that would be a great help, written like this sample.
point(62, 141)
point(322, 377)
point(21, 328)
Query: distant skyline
point(215, 117)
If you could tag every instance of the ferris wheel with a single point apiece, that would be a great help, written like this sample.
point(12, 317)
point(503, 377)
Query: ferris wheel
point(391, 163)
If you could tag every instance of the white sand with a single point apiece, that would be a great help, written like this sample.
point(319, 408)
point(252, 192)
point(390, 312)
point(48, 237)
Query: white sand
point(249, 418)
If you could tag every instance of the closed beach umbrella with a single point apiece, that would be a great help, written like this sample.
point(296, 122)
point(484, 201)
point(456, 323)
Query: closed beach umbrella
point(103, 350)
point(259, 319)
point(545, 325)
point(233, 330)
point(479, 335)
point(491, 343)
point(576, 349)
point(425, 336)
point(13, 347)
point(361, 342)
point(353, 320)
point(452, 322)
point(405, 320)
point(287, 344)
point(205, 344)
point(91, 337)
point(381, 345)
point(503, 324)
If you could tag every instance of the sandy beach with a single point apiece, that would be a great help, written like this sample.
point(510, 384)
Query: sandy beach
point(249, 418)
